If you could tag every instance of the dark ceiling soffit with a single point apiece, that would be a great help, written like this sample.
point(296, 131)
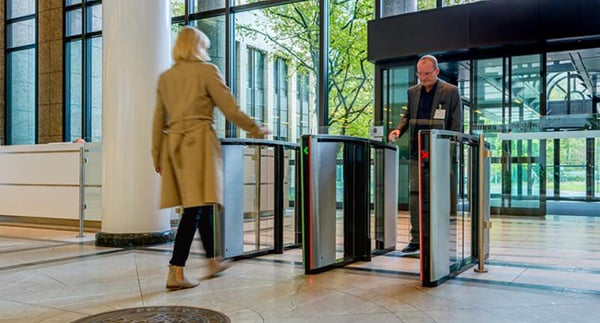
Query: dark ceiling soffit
point(482, 26)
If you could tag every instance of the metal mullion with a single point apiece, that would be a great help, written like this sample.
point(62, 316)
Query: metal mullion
point(323, 84)
point(22, 18)
point(66, 66)
point(20, 48)
point(186, 12)
point(86, 118)
point(82, 4)
point(84, 75)
point(6, 84)
point(229, 60)
point(80, 36)
point(180, 20)
point(206, 14)
point(36, 75)
point(8, 97)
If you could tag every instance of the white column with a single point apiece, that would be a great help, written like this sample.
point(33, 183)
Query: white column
point(136, 49)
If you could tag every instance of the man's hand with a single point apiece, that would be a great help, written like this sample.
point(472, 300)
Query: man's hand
point(393, 135)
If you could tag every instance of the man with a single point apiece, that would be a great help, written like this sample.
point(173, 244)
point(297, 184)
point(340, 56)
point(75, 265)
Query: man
point(432, 103)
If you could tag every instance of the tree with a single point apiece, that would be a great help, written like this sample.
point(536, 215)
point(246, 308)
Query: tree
point(293, 31)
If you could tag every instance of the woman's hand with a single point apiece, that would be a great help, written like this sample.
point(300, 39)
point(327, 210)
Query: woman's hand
point(260, 134)
point(264, 131)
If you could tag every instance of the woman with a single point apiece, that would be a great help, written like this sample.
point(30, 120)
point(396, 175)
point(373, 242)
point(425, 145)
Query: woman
point(185, 148)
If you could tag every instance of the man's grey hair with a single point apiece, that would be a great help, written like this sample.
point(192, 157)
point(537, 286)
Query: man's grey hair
point(430, 58)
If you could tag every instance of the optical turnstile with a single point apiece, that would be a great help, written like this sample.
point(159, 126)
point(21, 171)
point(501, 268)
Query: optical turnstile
point(259, 192)
point(349, 199)
point(454, 208)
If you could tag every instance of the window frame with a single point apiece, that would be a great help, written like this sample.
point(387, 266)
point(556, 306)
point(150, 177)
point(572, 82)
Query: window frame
point(86, 37)
point(8, 86)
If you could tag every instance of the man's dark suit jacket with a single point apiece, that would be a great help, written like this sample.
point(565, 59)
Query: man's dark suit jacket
point(446, 96)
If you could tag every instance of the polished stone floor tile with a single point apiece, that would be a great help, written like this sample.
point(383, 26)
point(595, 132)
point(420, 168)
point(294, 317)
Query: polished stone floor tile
point(534, 275)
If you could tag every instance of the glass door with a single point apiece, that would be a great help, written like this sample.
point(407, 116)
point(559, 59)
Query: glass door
point(507, 98)
point(396, 81)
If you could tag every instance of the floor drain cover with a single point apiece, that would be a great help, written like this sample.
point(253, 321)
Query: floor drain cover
point(158, 314)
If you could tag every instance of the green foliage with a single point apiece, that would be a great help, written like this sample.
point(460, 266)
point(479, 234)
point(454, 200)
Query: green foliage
point(426, 4)
point(175, 28)
point(351, 76)
point(293, 30)
point(177, 8)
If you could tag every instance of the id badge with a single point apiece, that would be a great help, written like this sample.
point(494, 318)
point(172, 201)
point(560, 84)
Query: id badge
point(439, 114)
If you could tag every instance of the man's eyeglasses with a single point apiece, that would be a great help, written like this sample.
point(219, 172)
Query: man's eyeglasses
point(424, 74)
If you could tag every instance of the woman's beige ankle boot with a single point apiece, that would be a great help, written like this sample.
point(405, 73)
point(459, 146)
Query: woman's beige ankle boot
point(217, 265)
point(178, 280)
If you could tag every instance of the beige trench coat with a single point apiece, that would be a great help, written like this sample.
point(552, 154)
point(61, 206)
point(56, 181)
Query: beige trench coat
point(185, 145)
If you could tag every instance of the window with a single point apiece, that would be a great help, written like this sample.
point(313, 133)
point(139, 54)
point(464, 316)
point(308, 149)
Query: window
point(214, 28)
point(303, 105)
point(280, 100)
point(255, 85)
point(21, 72)
point(83, 70)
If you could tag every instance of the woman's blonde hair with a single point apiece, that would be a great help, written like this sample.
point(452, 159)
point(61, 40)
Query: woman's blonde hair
point(191, 45)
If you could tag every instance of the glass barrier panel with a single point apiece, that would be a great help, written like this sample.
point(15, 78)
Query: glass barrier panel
point(290, 230)
point(340, 203)
point(266, 237)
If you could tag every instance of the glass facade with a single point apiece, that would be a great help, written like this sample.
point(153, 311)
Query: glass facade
point(267, 64)
point(274, 61)
point(269, 54)
point(549, 98)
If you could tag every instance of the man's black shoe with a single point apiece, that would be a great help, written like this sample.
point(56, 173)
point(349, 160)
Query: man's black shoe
point(411, 247)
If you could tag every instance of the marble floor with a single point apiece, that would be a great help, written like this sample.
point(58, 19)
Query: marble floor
point(540, 270)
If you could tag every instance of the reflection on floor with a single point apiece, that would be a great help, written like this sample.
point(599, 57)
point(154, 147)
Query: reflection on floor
point(540, 270)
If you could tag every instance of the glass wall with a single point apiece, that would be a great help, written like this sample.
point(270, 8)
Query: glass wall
point(277, 59)
point(83, 70)
point(351, 76)
point(539, 113)
point(572, 85)
point(270, 54)
point(21, 71)
point(214, 28)
point(487, 115)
